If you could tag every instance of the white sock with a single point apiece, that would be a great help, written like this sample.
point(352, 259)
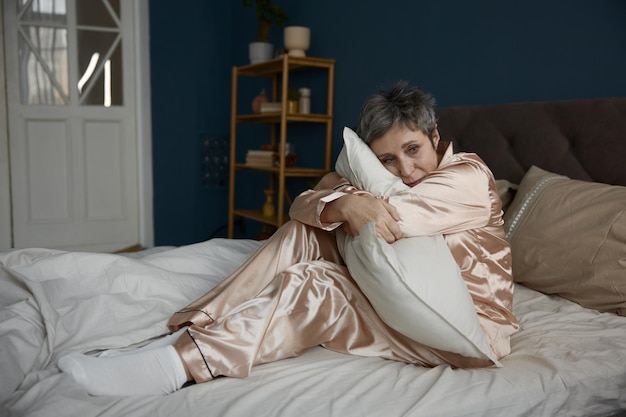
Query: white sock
point(156, 343)
point(149, 372)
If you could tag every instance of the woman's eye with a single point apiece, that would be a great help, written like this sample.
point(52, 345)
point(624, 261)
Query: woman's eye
point(388, 160)
point(413, 149)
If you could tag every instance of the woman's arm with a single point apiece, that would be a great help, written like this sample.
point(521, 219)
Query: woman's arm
point(451, 199)
point(308, 206)
point(335, 202)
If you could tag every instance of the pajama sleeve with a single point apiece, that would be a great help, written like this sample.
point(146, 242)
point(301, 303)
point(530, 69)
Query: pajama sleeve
point(308, 206)
point(448, 200)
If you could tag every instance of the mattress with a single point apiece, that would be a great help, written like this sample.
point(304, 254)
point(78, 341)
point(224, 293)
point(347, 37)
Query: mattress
point(566, 360)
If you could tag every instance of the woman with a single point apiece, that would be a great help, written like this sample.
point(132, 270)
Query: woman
point(295, 292)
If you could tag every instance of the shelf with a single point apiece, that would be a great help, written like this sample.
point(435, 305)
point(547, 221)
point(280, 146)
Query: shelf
point(276, 118)
point(278, 70)
point(289, 172)
point(256, 215)
point(274, 66)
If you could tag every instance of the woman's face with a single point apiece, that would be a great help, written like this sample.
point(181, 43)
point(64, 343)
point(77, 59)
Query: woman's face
point(407, 154)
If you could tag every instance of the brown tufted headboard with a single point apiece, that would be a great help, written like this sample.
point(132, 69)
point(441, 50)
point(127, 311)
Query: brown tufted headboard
point(583, 139)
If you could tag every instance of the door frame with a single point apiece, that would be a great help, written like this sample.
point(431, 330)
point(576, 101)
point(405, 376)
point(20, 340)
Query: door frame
point(143, 132)
point(6, 235)
point(144, 123)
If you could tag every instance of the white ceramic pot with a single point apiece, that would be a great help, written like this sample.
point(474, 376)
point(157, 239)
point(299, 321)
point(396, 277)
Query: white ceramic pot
point(260, 52)
point(297, 40)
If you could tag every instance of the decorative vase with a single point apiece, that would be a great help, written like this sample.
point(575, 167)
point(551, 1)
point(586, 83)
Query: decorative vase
point(304, 104)
point(292, 106)
point(297, 40)
point(258, 101)
point(290, 155)
point(268, 207)
point(260, 52)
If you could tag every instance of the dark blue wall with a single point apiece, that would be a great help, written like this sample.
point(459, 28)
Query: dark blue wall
point(464, 52)
point(190, 51)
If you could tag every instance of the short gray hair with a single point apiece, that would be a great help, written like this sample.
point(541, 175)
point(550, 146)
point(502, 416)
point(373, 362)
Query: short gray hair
point(402, 105)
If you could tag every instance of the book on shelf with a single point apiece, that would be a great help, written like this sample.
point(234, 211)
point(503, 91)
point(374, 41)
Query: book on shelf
point(262, 158)
point(260, 152)
point(271, 107)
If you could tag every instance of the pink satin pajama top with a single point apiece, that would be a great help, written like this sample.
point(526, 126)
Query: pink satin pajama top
point(460, 201)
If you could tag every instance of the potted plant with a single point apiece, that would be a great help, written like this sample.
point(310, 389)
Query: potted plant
point(268, 14)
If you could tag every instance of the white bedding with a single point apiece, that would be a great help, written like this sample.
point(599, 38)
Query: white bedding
point(565, 360)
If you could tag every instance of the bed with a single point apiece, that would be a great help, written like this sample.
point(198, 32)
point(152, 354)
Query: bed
point(561, 171)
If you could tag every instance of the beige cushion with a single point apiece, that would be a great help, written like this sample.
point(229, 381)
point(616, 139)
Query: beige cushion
point(506, 191)
point(568, 237)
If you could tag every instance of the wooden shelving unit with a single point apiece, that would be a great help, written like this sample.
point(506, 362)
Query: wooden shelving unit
point(278, 70)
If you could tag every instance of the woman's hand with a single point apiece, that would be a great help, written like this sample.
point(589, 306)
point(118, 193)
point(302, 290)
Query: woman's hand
point(357, 210)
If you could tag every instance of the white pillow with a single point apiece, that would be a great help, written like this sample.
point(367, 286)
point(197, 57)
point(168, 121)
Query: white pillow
point(414, 284)
point(358, 164)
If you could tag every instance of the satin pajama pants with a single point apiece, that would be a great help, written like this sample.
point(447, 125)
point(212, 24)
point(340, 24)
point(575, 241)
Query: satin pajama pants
point(293, 293)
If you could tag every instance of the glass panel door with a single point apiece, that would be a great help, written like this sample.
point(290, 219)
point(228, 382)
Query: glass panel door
point(42, 52)
point(73, 141)
point(43, 27)
point(99, 52)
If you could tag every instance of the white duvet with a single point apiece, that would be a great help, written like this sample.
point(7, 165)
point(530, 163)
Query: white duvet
point(565, 360)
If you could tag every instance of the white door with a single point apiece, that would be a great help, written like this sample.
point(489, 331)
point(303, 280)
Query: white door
point(72, 116)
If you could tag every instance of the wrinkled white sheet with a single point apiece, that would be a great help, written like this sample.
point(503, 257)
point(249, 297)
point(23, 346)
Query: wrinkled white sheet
point(565, 360)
